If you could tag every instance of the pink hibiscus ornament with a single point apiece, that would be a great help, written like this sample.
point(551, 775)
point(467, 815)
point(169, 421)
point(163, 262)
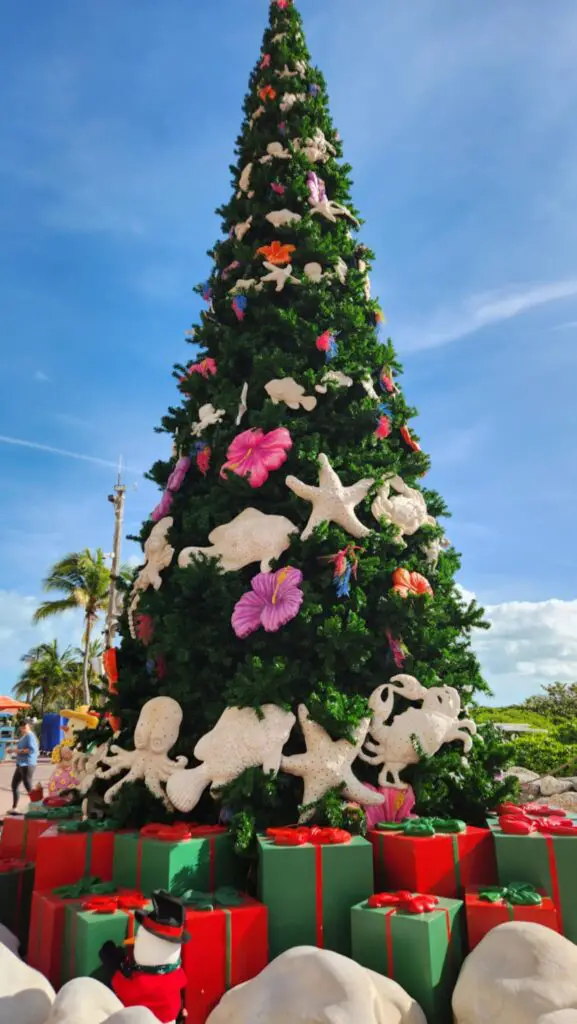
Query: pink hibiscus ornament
point(255, 454)
point(206, 368)
point(397, 806)
point(175, 482)
point(275, 599)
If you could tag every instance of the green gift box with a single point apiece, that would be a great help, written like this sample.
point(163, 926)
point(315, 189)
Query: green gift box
point(423, 952)
point(16, 883)
point(85, 933)
point(546, 861)
point(207, 861)
point(309, 891)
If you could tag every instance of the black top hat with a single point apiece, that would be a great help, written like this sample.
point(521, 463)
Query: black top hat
point(166, 919)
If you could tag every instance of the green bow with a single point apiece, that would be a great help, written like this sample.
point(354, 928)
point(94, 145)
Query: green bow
point(223, 897)
point(85, 887)
point(91, 825)
point(521, 894)
point(52, 813)
point(423, 827)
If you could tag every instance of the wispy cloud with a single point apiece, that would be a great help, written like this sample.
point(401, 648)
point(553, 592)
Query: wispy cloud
point(570, 325)
point(485, 310)
point(62, 451)
point(41, 377)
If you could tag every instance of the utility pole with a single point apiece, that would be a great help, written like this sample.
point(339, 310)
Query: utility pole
point(116, 499)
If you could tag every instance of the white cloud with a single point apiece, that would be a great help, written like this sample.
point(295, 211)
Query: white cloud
point(61, 451)
point(570, 325)
point(483, 310)
point(18, 634)
point(41, 377)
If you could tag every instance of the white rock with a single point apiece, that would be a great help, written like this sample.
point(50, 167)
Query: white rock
point(26, 996)
point(552, 787)
point(573, 782)
point(133, 1015)
point(84, 1001)
point(9, 940)
point(523, 774)
point(316, 986)
point(520, 973)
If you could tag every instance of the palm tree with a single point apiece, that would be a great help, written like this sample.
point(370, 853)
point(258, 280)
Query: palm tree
point(84, 579)
point(50, 676)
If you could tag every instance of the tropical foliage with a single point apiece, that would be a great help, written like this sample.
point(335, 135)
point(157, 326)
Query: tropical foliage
point(52, 679)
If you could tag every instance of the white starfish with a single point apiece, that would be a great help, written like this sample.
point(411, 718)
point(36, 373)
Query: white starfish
point(330, 210)
point(280, 275)
point(242, 229)
point(327, 764)
point(332, 503)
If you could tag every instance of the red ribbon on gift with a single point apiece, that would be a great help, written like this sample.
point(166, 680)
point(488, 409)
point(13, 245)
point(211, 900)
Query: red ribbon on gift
point(407, 902)
point(131, 900)
point(531, 810)
point(300, 836)
point(518, 825)
point(179, 831)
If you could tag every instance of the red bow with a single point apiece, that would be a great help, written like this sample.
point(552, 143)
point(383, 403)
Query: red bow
point(55, 801)
point(299, 836)
point(179, 831)
point(110, 904)
point(519, 825)
point(407, 902)
point(536, 810)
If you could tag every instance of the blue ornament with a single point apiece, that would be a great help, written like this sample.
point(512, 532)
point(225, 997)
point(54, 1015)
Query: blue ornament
point(151, 666)
point(314, 89)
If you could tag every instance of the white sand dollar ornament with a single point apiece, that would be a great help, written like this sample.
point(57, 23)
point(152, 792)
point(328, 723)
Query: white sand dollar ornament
point(250, 537)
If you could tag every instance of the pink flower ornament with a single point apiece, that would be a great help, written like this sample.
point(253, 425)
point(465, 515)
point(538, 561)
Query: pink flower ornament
point(175, 482)
point(275, 599)
point(206, 368)
point(397, 806)
point(255, 454)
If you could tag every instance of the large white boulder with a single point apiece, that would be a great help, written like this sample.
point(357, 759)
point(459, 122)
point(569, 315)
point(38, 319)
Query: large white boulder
point(84, 1001)
point(520, 973)
point(9, 940)
point(306, 985)
point(553, 787)
point(136, 1015)
point(25, 995)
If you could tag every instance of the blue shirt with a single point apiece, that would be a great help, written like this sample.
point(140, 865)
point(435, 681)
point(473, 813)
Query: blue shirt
point(27, 750)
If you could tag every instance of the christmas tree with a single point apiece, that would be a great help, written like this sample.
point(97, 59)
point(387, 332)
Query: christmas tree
point(295, 558)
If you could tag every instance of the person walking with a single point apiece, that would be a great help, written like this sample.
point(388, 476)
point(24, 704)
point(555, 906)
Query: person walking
point(26, 761)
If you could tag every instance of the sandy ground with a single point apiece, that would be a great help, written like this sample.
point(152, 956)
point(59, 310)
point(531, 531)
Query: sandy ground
point(42, 774)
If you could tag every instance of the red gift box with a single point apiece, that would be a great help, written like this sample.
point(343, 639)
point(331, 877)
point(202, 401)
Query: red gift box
point(47, 934)
point(228, 946)
point(20, 836)
point(442, 864)
point(485, 914)
point(64, 858)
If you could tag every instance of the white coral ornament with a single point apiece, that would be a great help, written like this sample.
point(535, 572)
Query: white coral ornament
point(250, 537)
point(242, 738)
point(436, 722)
point(292, 394)
point(155, 735)
point(407, 509)
point(282, 218)
point(327, 764)
point(158, 554)
point(208, 416)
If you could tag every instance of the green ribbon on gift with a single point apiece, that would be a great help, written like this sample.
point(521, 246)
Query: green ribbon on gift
point(87, 826)
point(52, 813)
point(85, 887)
point(221, 898)
point(520, 894)
point(424, 827)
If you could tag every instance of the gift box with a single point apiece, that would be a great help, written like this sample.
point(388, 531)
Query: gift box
point(157, 856)
point(488, 906)
point(310, 888)
point(417, 941)
point(88, 925)
point(47, 921)
point(16, 881)
point(20, 836)
point(544, 857)
point(432, 855)
point(228, 946)
point(71, 851)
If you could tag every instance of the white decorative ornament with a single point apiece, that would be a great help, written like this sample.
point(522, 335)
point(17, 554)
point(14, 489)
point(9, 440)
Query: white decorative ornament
point(367, 384)
point(330, 210)
point(327, 764)
point(407, 509)
point(250, 537)
point(208, 416)
point(244, 182)
point(435, 723)
point(84, 766)
point(292, 394)
point(432, 551)
point(314, 272)
point(363, 268)
point(336, 377)
point(331, 501)
point(299, 72)
point(155, 735)
point(244, 286)
point(279, 275)
point(341, 270)
point(242, 738)
point(282, 218)
point(318, 149)
point(258, 113)
point(279, 37)
point(242, 405)
point(242, 229)
point(275, 151)
point(158, 554)
point(289, 99)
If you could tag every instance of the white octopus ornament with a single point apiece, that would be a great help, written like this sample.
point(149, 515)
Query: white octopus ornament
point(407, 509)
point(279, 275)
point(155, 735)
point(331, 501)
point(327, 764)
point(292, 394)
point(435, 723)
point(208, 416)
point(242, 738)
point(252, 536)
point(283, 218)
point(158, 554)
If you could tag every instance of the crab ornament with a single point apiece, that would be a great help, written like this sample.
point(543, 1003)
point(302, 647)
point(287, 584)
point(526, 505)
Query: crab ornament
point(406, 509)
point(158, 553)
point(155, 735)
point(252, 536)
point(435, 723)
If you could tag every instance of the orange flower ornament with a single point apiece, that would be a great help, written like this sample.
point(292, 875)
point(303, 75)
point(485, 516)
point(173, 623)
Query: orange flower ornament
point(277, 253)
point(267, 93)
point(405, 583)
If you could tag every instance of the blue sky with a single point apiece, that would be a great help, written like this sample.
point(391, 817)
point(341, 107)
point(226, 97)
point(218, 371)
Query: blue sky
point(119, 123)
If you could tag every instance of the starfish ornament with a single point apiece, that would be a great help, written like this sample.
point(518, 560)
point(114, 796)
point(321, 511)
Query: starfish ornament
point(280, 275)
point(327, 764)
point(332, 503)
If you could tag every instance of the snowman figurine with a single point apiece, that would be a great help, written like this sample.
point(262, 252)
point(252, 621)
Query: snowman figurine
point(152, 975)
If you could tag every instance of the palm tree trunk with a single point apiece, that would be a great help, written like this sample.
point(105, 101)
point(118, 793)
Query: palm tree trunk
point(85, 686)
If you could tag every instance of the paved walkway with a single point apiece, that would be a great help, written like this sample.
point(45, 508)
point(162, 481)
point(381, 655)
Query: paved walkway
point(42, 774)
